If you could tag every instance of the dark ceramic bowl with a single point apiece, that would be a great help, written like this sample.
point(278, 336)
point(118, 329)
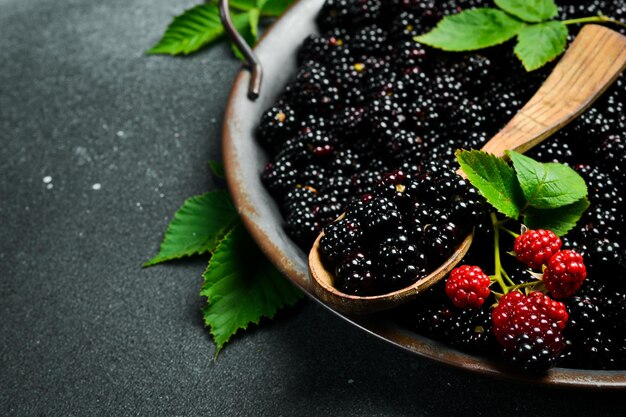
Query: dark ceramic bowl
point(244, 161)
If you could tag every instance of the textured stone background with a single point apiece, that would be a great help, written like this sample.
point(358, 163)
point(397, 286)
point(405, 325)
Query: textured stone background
point(99, 146)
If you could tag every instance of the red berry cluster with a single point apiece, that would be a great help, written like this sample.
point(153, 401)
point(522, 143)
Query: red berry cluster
point(528, 327)
point(535, 247)
point(564, 270)
point(468, 286)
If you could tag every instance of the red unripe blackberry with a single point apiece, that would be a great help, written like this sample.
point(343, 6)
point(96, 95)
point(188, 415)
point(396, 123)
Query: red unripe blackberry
point(564, 273)
point(468, 286)
point(535, 247)
point(535, 315)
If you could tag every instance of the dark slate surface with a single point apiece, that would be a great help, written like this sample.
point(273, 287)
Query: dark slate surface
point(86, 331)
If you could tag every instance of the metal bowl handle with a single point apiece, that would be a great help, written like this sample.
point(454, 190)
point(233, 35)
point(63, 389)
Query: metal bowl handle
point(252, 62)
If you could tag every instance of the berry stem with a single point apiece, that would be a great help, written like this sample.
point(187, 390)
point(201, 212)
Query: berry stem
point(512, 233)
point(498, 264)
point(524, 285)
point(507, 277)
point(593, 19)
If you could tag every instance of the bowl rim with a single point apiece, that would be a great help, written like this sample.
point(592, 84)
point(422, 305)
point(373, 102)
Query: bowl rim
point(384, 330)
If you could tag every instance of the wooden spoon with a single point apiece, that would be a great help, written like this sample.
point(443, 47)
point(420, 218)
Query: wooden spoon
point(593, 62)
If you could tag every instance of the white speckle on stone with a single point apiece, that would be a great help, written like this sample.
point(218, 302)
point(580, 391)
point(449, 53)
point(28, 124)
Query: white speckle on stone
point(97, 186)
point(120, 133)
point(50, 186)
point(213, 120)
point(151, 173)
point(83, 155)
point(161, 195)
point(47, 179)
point(176, 134)
point(105, 126)
point(350, 381)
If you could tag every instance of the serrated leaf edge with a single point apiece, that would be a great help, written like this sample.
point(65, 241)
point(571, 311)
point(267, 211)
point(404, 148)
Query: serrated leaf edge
point(156, 260)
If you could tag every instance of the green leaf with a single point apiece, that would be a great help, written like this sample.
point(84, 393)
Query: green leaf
point(242, 286)
point(539, 44)
point(253, 21)
point(560, 220)
point(190, 31)
point(547, 186)
point(217, 169)
point(495, 180)
point(530, 10)
point(472, 29)
point(198, 226)
point(244, 27)
point(275, 7)
point(243, 5)
point(194, 29)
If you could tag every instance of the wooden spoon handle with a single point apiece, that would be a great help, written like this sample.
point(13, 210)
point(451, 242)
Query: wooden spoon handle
point(592, 63)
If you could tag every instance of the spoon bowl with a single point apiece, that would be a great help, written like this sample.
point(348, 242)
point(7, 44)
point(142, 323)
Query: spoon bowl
point(591, 64)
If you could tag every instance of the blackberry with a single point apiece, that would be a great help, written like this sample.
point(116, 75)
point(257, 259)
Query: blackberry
point(467, 329)
point(348, 13)
point(340, 238)
point(608, 259)
point(353, 76)
point(584, 316)
point(366, 182)
point(313, 89)
point(468, 118)
point(474, 71)
point(600, 185)
point(405, 145)
point(299, 198)
point(312, 121)
point(406, 26)
point(597, 351)
point(321, 48)
point(428, 10)
point(280, 177)
point(303, 226)
point(354, 275)
point(614, 306)
point(449, 93)
point(612, 151)
point(503, 108)
point(379, 216)
point(369, 40)
point(470, 330)
point(277, 125)
point(410, 54)
point(400, 260)
point(329, 209)
point(340, 188)
point(440, 239)
point(314, 176)
point(350, 122)
point(553, 150)
point(532, 354)
point(434, 320)
point(444, 151)
point(384, 117)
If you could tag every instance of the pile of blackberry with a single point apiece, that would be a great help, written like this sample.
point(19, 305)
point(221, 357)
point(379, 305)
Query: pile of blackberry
point(405, 229)
point(367, 100)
